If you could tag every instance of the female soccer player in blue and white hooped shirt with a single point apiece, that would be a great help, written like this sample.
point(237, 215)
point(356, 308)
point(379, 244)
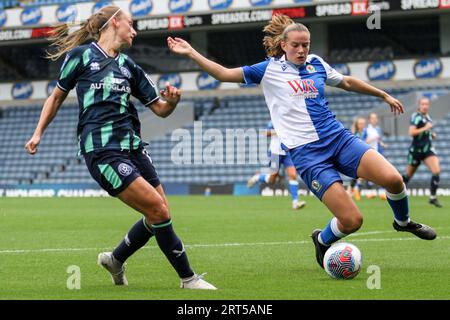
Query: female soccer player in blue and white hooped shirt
point(293, 82)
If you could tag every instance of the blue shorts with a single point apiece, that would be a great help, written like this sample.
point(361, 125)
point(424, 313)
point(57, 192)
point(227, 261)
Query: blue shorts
point(276, 160)
point(114, 170)
point(320, 162)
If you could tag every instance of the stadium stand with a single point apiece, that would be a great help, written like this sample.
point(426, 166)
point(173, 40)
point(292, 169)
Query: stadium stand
point(59, 163)
point(4, 4)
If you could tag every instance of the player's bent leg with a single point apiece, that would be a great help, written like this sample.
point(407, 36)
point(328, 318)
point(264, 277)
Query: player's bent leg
point(152, 203)
point(144, 198)
point(410, 171)
point(347, 220)
point(347, 214)
point(376, 168)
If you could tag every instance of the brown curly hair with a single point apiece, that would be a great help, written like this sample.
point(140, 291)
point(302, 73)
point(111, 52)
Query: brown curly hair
point(276, 32)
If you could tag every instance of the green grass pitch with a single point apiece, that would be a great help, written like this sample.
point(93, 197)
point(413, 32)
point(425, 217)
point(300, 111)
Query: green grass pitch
point(251, 247)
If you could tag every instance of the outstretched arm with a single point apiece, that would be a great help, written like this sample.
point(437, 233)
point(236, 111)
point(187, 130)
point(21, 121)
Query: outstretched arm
point(182, 47)
point(357, 85)
point(49, 110)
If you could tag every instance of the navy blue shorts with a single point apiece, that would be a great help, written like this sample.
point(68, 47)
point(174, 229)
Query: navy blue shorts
point(415, 158)
point(320, 162)
point(114, 170)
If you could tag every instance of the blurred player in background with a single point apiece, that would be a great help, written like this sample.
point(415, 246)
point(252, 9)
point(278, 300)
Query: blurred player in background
point(278, 157)
point(293, 83)
point(357, 129)
point(421, 148)
point(373, 136)
point(109, 132)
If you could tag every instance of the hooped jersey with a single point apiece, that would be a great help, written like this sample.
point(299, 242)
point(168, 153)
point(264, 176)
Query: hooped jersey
point(295, 96)
point(107, 119)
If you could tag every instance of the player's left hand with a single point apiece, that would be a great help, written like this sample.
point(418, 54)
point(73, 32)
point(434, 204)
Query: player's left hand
point(396, 106)
point(171, 94)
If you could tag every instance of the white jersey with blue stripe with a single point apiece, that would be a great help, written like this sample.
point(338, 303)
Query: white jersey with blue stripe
point(295, 96)
point(275, 144)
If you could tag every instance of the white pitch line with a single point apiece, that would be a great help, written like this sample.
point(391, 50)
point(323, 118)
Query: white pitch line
point(212, 245)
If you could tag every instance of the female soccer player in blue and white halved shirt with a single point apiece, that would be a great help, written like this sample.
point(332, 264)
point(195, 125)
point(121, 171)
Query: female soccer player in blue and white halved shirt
point(293, 82)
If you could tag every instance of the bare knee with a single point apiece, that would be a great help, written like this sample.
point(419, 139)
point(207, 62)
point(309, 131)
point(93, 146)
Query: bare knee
point(157, 213)
point(352, 223)
point(394, 182)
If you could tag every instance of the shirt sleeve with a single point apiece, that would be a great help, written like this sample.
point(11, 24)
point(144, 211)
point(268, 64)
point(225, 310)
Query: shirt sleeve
point(70, 71)
point(333, 77)
point(415, 119)
point(143, 88)
point(254, 74)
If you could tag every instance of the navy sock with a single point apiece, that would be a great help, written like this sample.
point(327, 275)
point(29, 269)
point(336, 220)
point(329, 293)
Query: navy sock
point(434, 185)
point(135, 239)
point(405, 178)
point(173, 248)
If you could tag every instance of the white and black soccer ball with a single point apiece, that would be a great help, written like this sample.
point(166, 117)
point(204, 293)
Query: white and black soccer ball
point(342, 261)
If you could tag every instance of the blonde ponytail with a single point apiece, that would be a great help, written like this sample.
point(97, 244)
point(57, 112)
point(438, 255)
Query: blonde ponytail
point(63, 40)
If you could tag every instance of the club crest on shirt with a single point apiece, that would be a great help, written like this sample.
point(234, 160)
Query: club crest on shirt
point(310, 68)
point(125, 72)
point(124, 169)
point(316, 185)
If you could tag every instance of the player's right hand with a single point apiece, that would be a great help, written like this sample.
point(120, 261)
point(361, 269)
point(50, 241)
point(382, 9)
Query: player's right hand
point(178, 45)
point(32, 145)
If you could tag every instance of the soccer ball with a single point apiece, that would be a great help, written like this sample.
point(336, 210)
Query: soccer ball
point(342, 261)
